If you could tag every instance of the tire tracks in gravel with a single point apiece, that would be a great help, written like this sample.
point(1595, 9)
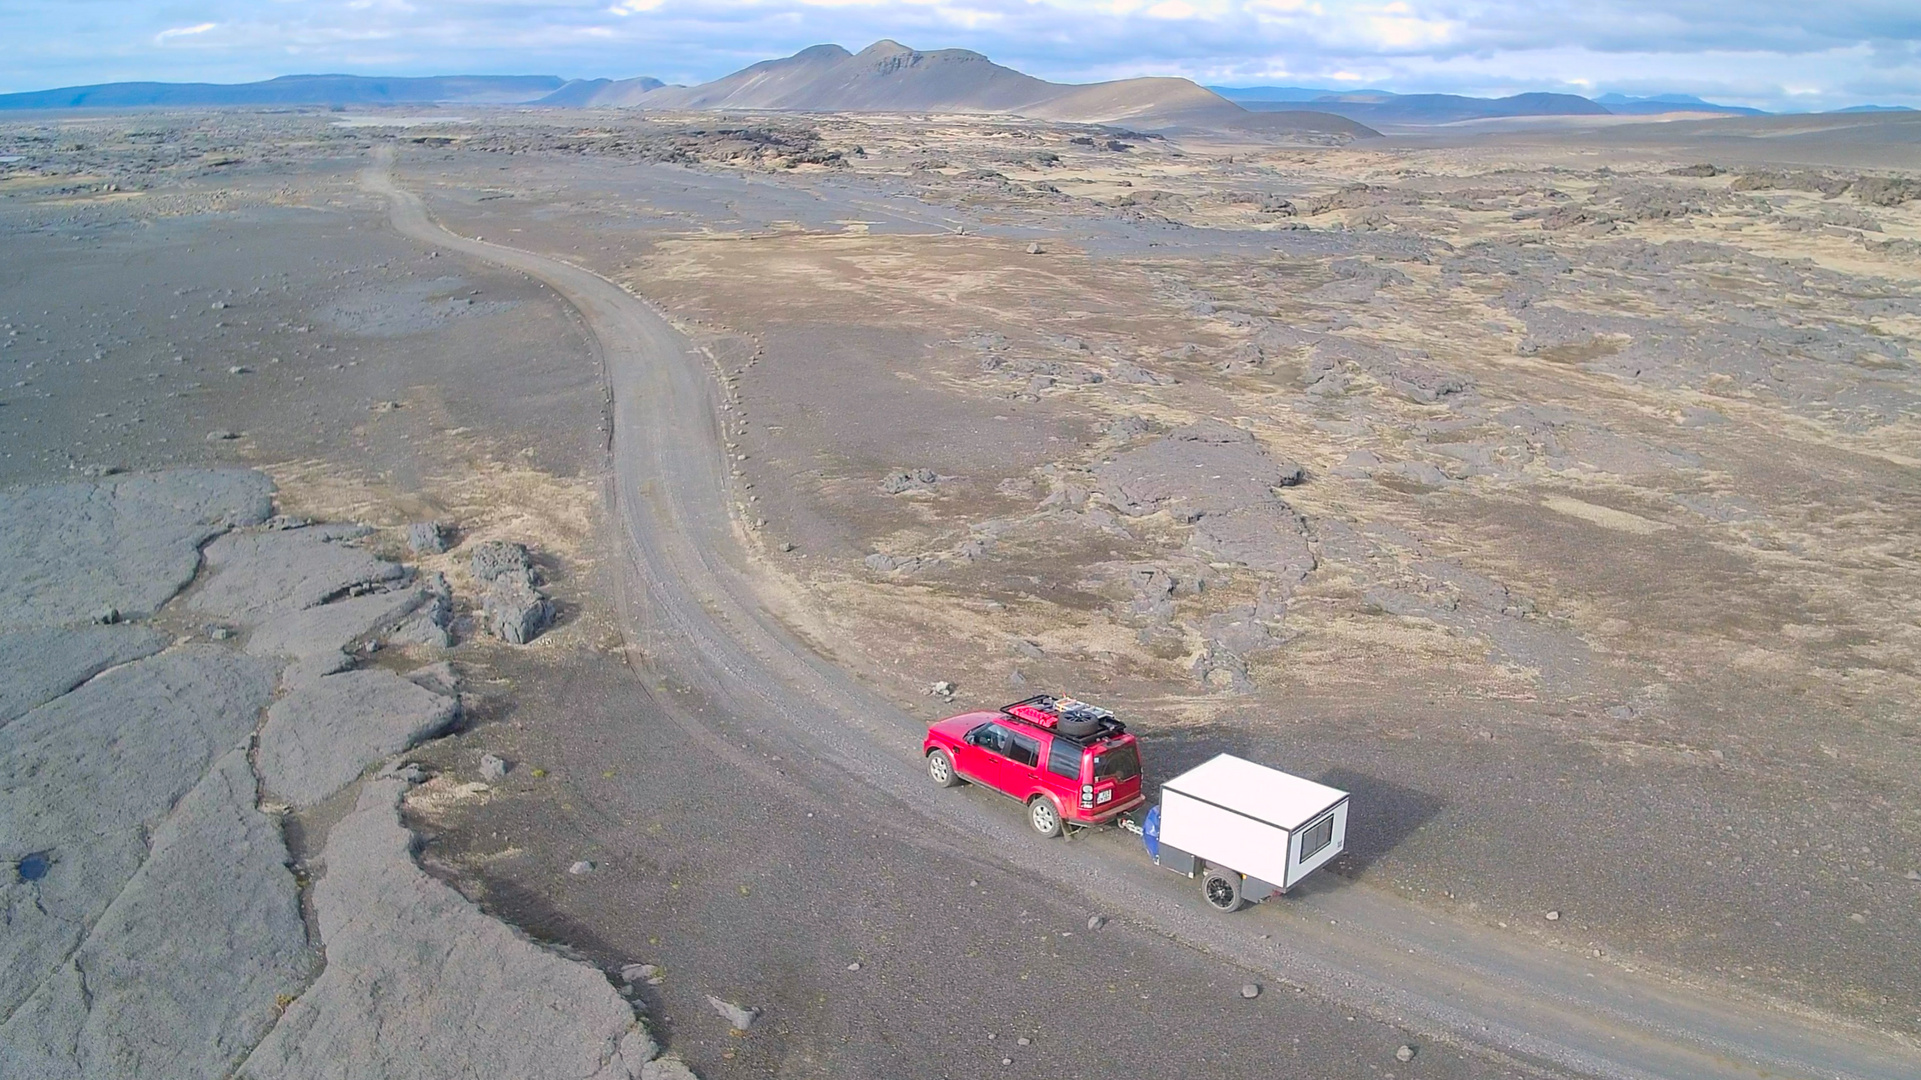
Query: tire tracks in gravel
point(729, 672)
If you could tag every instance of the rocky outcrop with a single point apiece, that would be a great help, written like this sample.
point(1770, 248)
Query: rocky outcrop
point(427, 538)
point(512, 605)
point(492, 560)
point(515, 611)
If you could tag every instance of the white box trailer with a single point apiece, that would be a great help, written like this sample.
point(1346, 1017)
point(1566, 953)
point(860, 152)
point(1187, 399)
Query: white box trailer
point(1249, 831)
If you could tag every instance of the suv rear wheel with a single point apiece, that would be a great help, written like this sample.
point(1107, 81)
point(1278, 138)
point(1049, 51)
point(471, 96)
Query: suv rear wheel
point(1043, 817)
point(1222, 888)
point(941, 769)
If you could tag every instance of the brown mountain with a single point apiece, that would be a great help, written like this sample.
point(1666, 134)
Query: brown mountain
point(889, 77)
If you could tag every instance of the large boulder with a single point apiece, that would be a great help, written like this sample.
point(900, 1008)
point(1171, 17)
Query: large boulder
point(492, 560)
point(427, 538)
point(515, 611)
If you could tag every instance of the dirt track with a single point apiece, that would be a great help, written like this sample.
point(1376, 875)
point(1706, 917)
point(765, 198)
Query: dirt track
point(726, 670)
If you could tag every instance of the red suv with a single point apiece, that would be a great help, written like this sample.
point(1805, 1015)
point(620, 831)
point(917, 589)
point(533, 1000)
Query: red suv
point(1068, 762)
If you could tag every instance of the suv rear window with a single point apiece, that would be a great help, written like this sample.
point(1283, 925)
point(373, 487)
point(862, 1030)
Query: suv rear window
point(1121, 762)
point(1064, 759)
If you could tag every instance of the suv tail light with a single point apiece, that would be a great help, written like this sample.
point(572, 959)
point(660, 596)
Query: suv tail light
point(1087, 796)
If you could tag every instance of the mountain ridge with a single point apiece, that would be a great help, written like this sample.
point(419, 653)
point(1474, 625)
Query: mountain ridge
point(890, 77)
point(1390, 107)
point(295, 90)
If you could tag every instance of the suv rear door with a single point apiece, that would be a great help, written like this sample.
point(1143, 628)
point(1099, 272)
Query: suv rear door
point(1062, 772)
point(1116, 768)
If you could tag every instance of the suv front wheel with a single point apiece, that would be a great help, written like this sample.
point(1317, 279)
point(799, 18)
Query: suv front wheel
point(940, 768)
point(1043, 817)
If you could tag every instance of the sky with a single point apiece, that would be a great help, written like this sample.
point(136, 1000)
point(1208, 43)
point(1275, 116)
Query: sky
point(1781, 55)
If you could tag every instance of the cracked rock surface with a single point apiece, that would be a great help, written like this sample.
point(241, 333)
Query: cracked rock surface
point(420, 983)
point(91, 775)
point(42, 664)
point(150, 921)
point(256, 576)
point(180, 975)
point(130, 543)
point(323, 734)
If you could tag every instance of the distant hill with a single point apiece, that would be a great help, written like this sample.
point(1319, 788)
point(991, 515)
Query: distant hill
point(1874, 108)
point(1375, 107)
point(1245, 94)
point(885, 76)
point(579, 92)
point(890, 77)
point(1382, 106)
point(294, 90)
point(1622, 105)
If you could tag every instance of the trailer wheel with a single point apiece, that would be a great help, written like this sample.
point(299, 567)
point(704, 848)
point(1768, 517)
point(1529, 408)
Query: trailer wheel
point(940, 768)
point(1222, 889)
point(1043, 817)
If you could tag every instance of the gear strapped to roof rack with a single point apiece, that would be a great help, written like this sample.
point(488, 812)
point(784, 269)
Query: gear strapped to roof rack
point(1065, 716)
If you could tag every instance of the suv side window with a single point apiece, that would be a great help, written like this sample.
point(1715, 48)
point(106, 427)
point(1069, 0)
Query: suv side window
point(1024, 750)
point(990, 737)
point(1064, 759)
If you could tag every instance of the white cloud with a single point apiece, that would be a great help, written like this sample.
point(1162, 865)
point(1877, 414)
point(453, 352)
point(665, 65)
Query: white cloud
point(183, 31)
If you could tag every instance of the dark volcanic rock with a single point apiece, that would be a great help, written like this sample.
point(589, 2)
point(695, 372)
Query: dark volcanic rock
point(515, 611)
point(495, 559)
point(904, 480)
point(427, 538)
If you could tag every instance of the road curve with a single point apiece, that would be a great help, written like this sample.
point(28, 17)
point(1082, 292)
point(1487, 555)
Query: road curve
point(693, 611)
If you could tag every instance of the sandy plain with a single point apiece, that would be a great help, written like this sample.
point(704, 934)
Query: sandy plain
point(1560, 506)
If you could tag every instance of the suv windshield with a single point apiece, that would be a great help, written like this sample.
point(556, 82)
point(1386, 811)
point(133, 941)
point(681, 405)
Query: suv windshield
point(1120, 762)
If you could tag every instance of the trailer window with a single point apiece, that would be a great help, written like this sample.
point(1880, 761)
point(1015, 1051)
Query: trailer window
point(1317, 836)
point(1121, 762)
point(1064, 759)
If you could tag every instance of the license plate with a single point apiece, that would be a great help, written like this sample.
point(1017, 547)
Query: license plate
point(1105, 796)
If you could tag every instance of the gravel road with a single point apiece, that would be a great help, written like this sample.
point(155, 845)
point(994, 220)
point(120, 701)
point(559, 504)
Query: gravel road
point(734, 678)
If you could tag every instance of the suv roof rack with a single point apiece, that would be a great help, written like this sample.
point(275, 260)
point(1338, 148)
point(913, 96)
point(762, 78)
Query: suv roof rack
point(1076, 721)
